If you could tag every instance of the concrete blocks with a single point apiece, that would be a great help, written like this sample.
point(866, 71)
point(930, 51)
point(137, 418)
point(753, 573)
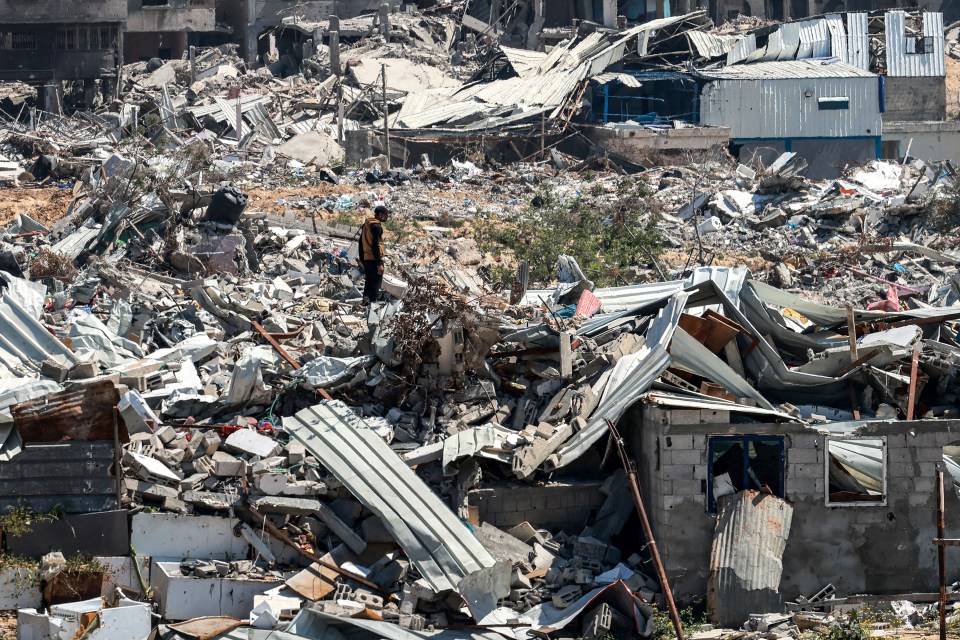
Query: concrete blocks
point(688, 456)
point(19, 588)
point(166, 535)
point(226, 465)
point(249, 442)
point(184, 597)
point(286, 506)
point(801, 455)
point(677, 472)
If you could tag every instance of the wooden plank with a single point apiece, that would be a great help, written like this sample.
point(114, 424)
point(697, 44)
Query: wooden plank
point(315, 582)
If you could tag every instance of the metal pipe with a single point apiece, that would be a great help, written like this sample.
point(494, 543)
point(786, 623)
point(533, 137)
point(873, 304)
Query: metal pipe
point(631, 470)
point(942, 556)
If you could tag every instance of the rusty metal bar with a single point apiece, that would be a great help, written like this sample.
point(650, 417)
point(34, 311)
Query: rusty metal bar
point(899, 287)
point(117, 468)
point(284, 538)
point(941, 555)
point(869, 355)
point(631, 469)
point(283, 354)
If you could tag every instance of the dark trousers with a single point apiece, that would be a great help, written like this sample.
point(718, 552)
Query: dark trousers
point(371, 280)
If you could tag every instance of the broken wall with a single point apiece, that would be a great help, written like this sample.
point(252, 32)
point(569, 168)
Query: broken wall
point(47, 11)
point(914, 98)
point(177, 15)
point(927, 140)
point(639, 144)
point(875, 548)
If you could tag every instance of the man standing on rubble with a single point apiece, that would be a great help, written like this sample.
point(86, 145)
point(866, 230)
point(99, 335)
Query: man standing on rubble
point(371, 253)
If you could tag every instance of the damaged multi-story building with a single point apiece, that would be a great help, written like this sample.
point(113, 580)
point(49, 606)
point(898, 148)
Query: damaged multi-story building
point(47, 43)
point(164, 28)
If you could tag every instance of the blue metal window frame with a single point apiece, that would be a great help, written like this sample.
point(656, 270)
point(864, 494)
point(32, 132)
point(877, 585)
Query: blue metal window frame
point(744, 442)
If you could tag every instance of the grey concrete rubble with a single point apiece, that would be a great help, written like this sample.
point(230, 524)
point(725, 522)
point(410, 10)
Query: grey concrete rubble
point(736, 390)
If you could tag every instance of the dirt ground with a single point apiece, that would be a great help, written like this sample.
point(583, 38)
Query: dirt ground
point(46, 205)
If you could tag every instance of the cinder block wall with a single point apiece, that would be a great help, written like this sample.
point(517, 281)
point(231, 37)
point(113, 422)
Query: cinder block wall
point(558, 506)
point(860, 549)
point(914, 99)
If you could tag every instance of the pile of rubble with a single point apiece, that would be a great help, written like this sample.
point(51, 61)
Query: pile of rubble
point(222, 336)
point(319, 464)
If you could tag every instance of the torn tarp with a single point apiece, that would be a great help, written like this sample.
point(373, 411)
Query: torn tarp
point(24, 342)
point(326, 371)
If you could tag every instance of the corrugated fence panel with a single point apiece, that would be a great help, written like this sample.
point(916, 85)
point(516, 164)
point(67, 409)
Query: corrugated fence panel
point(902, 57)
point(859, 43)
point(746, 562)
point(74, 476)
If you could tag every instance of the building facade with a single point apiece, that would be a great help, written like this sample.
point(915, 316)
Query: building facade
point(828, 113)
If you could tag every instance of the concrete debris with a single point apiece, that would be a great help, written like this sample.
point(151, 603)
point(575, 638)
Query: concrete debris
point(213, 424)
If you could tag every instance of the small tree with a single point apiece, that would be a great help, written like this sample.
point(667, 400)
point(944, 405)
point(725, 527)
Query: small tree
point(605, 236)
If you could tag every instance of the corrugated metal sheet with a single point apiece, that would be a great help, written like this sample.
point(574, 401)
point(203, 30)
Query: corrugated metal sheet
point(74, 476)
point(441, 547)
point(782, 44)
point(746, 561)
point(24, 342)
point(838, 37)
point(215, 109)
point(765, 101)
point(710, 45)
point(648, 30)
point(789, 69)
point(523, 62)
point(81, 413)
point(708, 403)
point(631, 376)
point(814, 39)
point(76, 243)
point(858, 42)
point(902, 59)
point(742, 49)
point(625, 79)
point(695, 357)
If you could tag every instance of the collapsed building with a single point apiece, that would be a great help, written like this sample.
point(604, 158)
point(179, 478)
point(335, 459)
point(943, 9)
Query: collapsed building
point(200, 421)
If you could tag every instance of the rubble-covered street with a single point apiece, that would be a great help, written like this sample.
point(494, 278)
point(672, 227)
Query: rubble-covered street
point(632, 372)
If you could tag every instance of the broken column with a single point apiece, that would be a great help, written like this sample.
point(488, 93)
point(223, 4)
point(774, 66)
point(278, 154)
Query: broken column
point(385, 20)
point(334, 43)
point(610, 13)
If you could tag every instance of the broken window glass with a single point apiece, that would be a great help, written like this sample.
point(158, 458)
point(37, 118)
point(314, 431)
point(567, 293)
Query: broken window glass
point(737, 463)
point(856, 471)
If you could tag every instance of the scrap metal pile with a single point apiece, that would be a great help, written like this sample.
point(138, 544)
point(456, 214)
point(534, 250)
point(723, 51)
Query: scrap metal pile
point(291, 459)
point(344, 441)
